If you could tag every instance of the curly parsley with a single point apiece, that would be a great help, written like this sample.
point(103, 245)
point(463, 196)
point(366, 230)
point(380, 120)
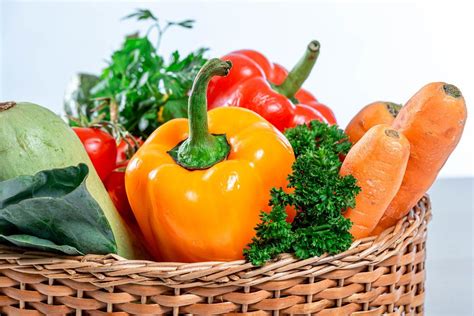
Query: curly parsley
point(319, 195)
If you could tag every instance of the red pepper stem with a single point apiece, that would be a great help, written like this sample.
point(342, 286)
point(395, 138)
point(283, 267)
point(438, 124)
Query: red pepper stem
point(202, 150)
point(300, 72)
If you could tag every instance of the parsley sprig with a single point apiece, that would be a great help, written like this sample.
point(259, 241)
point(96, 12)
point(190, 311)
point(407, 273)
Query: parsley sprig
point(319, 195)
point(147, 89)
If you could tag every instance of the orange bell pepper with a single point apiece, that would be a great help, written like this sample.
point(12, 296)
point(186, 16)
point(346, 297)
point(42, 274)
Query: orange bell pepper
point(197, 185)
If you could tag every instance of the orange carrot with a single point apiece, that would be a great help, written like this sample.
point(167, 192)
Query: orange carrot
point(379, 112)
point(378, 162)
point(433, 121)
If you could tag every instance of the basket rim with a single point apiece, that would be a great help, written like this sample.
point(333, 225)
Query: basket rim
point(112, 270)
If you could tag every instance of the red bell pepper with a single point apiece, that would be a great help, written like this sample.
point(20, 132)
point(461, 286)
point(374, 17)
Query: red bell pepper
point(268, 89)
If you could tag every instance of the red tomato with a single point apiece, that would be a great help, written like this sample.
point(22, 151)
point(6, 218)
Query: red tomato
point(115, 185)
point(115, 182)
point(123, 147)
point(100, 147)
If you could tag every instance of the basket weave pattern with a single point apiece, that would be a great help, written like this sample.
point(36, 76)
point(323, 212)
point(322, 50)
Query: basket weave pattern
point(383, 275)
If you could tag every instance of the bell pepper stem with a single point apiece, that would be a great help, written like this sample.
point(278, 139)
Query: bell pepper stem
point(300, 72)
point(202, 150)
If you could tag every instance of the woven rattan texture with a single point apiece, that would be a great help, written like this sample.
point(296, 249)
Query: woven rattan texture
point(376, 276)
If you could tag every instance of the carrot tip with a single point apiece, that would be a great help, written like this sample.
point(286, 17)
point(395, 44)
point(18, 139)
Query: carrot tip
point(393, 108)
point(392, 133)
point(452, 90)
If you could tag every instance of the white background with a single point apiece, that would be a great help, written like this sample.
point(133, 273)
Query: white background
point(370, 50)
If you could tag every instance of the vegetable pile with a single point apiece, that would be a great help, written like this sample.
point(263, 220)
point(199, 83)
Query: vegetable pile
point(214, 160)
point(208, 182)
point(137, 92)
point(33, 140)
point(110, 156)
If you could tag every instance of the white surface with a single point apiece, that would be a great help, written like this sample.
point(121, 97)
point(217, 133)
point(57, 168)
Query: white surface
point(450, 246)
point(370, 50)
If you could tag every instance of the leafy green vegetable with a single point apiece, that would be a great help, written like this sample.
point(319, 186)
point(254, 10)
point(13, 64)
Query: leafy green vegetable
point(319, 195)
point(53, 210)
point(274, 235)
point(304, 138)
point(144, 86)
point(27, 241)
point(175, 109)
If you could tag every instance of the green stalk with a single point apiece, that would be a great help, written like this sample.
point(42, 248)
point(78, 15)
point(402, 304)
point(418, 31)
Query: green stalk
point(202, 150)
point(300, 72)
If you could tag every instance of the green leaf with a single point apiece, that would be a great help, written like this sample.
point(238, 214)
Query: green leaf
point(27, 241)
point(304, 138)
point(141, 81)
point(141, 14)
point(186, 23)
point(273, 233)
point(175, 109)
point(55, 205)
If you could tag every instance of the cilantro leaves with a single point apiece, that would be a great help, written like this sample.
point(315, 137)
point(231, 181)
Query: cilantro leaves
point(141, 82)
point(319, 195)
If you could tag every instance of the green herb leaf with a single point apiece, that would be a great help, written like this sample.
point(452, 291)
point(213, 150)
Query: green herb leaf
point(319, 195)
point(141, 14)
point(54, 205)
point(175, 109)
point(304, 138)
point(141, 82)
point(186, 23)
point(274, 235)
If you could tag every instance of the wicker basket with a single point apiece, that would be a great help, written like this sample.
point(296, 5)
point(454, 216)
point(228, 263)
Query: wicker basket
point(383, 275)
